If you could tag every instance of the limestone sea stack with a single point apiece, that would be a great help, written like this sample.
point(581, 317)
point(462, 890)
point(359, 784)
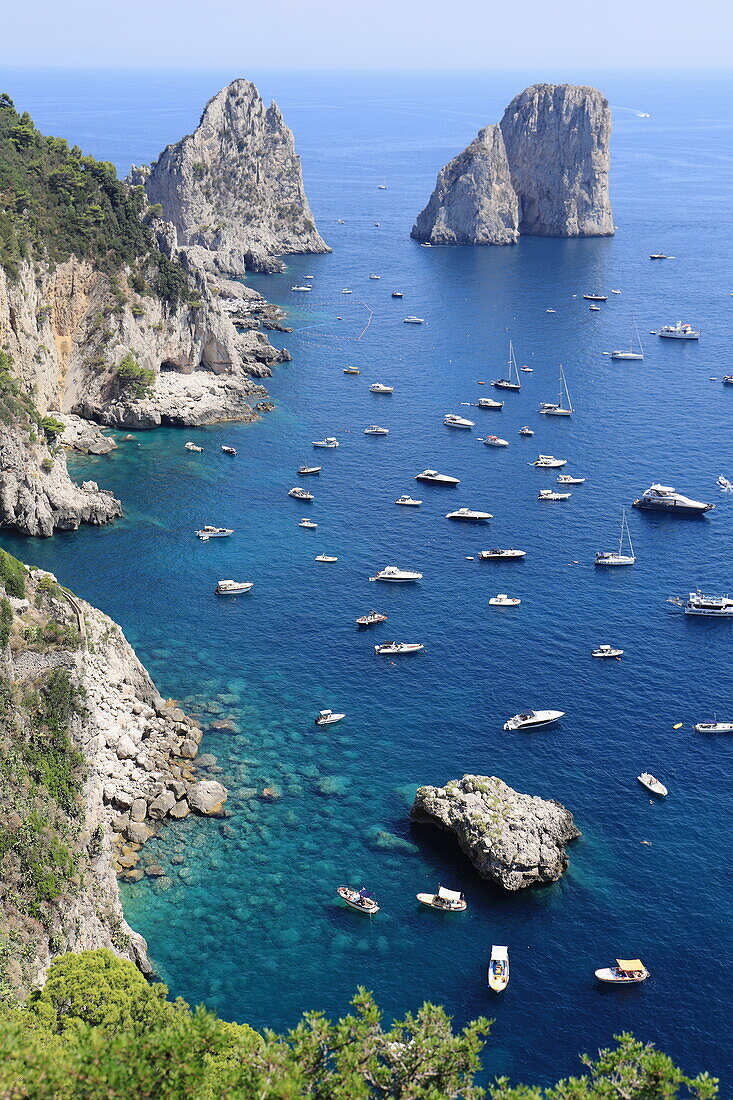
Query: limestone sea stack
point(516, 840)
point(548, 161)
point(234, 189)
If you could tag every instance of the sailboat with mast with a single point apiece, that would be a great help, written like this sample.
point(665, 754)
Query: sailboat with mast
point(512, 382)
point(618, 557)
point(631, 354)
point(563, 406)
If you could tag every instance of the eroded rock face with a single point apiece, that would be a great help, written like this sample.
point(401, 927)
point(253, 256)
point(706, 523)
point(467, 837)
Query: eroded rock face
point(234, 187)
point(473, 201)
point(516, 840)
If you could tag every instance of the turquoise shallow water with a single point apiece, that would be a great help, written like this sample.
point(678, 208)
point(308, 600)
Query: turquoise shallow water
point(250, 924)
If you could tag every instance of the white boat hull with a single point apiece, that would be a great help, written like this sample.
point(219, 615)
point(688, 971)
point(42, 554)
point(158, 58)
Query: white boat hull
point(611, 974)
point(714, 727)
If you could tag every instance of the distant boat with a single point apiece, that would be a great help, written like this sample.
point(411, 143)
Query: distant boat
point(214, 533)
point(596, 297)
point(379, 387)
point(679, 332)
point(308, 524)
point(302, 289)
point(435, 478)
point(233, 588)
point(606, 651)
point(328, 718)
point(304, 471)
point(697, 603)
point(498, 977)
point(229, 450)
point(664, 498)
point(468, 515)
point(549, 462)
point(450, 901)
point(631, 354)
point(568, 479)
point(396, 649)
point(329, 441)
point(525, 431)
point(489, 403)
point(351, 370)
point(408, 502)
point(618, 557)
point(659, 256)
point(359, 900)
point(494, 441)
point(382, 187)
point(452, 420)
point(652, 784)
point(397, 294)
point(325, 557)
point(512, 381)
point(371, 619)
point(375, 276)
point(413, 320)
point(396, 576)
point(374, 429)
point(552, 494)
point(300, 494)
point(193, 447)
point(713, 727)
point(502, 555)
point(563, 406)
point(626, 972)
point(533, 719)
point(504, 600)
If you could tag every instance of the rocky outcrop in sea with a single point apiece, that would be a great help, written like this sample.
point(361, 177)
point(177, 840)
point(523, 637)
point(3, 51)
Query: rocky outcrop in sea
point(234, 189)
point(516, 840)
point(543, 171)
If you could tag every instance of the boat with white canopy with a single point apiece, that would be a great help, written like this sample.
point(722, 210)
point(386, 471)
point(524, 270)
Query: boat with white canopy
point(498, 977)
point(360, 900)
point(625, 972)
point(652, 784)
point(450, 901)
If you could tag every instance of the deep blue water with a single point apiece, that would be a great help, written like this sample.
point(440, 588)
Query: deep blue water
point(252, 927)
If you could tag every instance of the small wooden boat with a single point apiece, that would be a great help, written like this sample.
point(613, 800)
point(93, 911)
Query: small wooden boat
point(359, 900)
point(451, 901)
point(652, 784)
point(499, 969)
point(625, 972)
point(328, 718)
point(371, 619)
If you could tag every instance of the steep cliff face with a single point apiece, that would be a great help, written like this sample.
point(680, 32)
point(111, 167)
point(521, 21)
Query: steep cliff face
point(473, 201)
point(234, 189)
point(543, 171)
point(557, 141)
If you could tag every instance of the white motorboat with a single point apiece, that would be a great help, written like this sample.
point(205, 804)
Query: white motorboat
point(663, 498)
point(697, 603)
point(568, 479)
point(713, 727)
point(397, 294)
point(549, 462)
point(450, 901)
point(347, 291)
point(351, 370)
point(527, 370)
point(359, 900)
point(512, 381)
point(375, 276)
point(305, 471)
point(552, 494)
point(435, 478)
point(413, 320)
point(372, 618)
point(325, 557)
point(452, 420)
point(329, 441)
point(533, 719)
point(214, 533)
point(381, 187)
point(489, 403)
point(652, 784)
point(550, 311)
point(596, 309)
point(494, 441)
point(723, 482)
point(498, 976)
point(192, 447)
point(233, 588)
point(679, 332)
point(596, 297)
point(395, 649)
point(379, 387)
point(229, 450)
point(618, 557)
point(659, 256)
point(374, 429)
point(563, 406)
point(525, 431)
point(408, 502)
point(328, 718)
point(308, 523)
point(630, 353)
point(727, 379)
point(396, 576)
point(503, 600)
point(606, 651)
point(501, 555)
point(302, 289)
point(300, 494)
point(469, 515)
point(626, 972)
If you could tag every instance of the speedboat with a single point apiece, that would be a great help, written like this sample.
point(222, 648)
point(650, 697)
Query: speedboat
point(501, 555)
point(328, 718)
point(697, 603)
point(652, 784)
point(408, 502)
point(451, 420)
point(713, 727)
point(308, 523)
point(468, 515)
point(626, 972)
point(567, 479)
point(396, 576)
point(300, 494)
point(663, 498)
point(397, 294)
point(214, 533)
point(525, 431)
point(511, 382)
point(381, 187)
point(371, 619)
point(596, 297)
point(233, 588)
point(618, 557)
point(727, 380)
point(502, 600)
point(552, 494)
point(659, 256)
point(329, 441)
point(347, 291)
point(375, 276)
point(413, 320)
point(393, 649)
point(379, 387)
point(679, 332)
point(527, 370)
point(192, 447)
point(304, 471)
point(302, 289)
point(325, 557)
point(437, 479)
point(596, 309)
point(606, 651)
point(533, 719)
point(723, 482)
point(229, 450)
point(498, 977)
point(351, 370)
point(563, 406)
point(489, 403)
point(359, 900)
point(494, 441)
point(450, 901)
point(374, 429)
point(549, 462)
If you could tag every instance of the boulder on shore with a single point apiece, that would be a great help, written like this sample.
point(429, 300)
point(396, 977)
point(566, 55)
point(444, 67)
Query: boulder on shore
point(207, 797)
point(517, 840)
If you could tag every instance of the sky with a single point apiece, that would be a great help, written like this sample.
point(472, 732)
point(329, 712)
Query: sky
point(369, 34)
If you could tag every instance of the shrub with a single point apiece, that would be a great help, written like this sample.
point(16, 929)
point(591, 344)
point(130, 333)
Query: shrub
point(12, 575)
point(132, 379)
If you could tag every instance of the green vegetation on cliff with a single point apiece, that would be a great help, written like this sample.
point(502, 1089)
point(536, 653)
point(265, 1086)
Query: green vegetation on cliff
point(99, 1031)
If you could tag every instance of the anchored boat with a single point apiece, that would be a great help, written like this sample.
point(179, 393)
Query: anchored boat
point(360, 900)
point(625, 972)
point(563, 406)
point(450, 901)
point(512, 381)
point(533, 719)
point(499, 969)
point(612, 557)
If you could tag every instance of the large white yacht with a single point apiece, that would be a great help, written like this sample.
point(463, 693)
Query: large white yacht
point(379, 387)
point(393, 649)
point(549, 462)
point(679, 332)
point(563, 406)
point(468, 515)
point(618, 557)
point(395, 575)
point(489, 403)
point(713, 727)
point(452, 420)
point(329, 441)
point(663, 498)
point(697, 603)
point(501, 555)
point(209, 532)
point(233, 588)
point(437, 479)
point(533, 719)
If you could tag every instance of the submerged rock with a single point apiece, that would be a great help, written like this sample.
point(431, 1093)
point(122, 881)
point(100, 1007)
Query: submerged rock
point(515, 839)
point(207, 797)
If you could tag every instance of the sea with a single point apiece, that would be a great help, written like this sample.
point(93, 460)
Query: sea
point(246, 919)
